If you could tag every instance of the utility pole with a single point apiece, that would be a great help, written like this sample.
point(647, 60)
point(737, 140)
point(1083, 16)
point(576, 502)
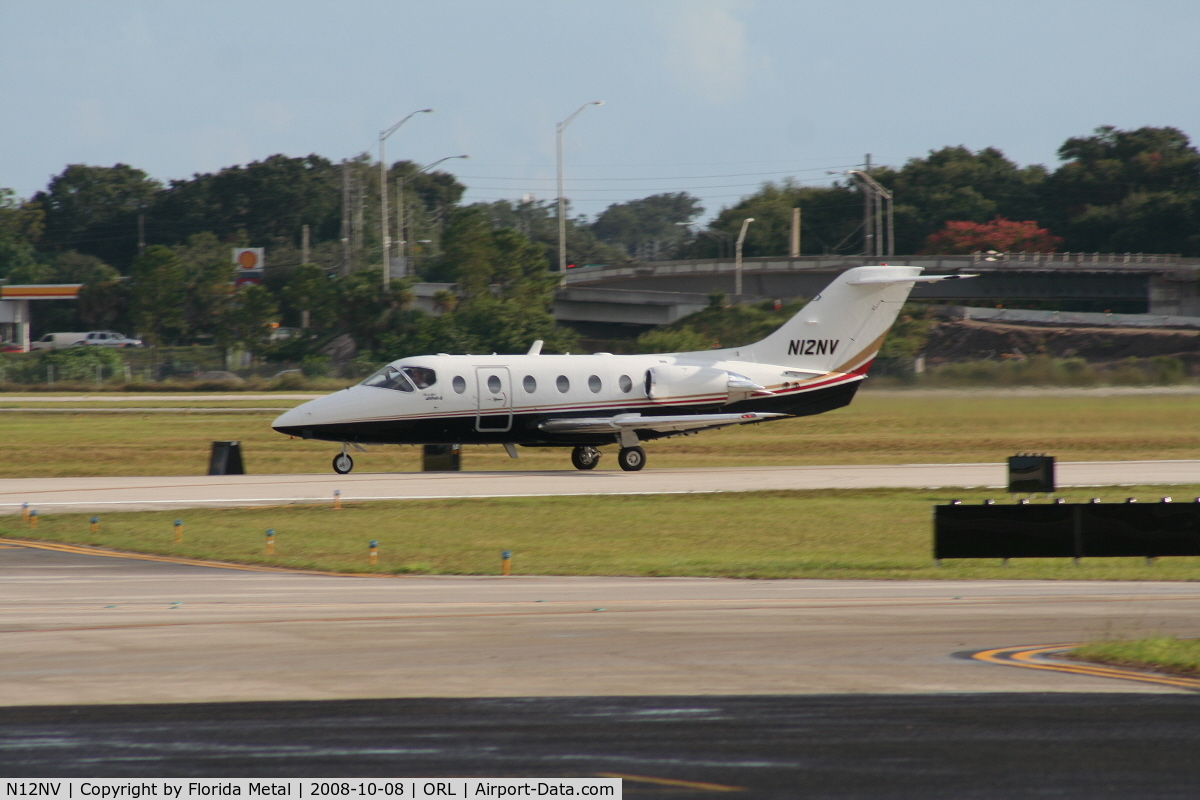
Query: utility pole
point(737, 261)
point(304, 240)
point(357, 220)
point(345, 231)
point(562, 203)
point(794, 239)
point(141, 234)
point(877, 240)
point(401, 233)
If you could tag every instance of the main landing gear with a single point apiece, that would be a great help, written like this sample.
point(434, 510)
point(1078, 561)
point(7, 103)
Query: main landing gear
point(630, 459)
point(584, 457)
point(342, 463)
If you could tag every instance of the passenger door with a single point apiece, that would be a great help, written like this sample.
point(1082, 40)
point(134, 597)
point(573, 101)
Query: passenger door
point(494, 393)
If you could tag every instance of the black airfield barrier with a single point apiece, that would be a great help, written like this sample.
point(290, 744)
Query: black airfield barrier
point(226, 459)
point(441, 458)
point(1066, 530)
point(1031, 474)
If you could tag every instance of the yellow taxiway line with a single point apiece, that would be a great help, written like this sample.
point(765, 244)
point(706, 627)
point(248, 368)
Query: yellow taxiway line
point(704, 787)
point(1038, 657)
point(194, 562)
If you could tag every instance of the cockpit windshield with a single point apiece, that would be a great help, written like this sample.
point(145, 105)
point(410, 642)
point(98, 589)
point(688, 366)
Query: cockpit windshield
point(423, 377)
point(389, 378)
point(402, 379)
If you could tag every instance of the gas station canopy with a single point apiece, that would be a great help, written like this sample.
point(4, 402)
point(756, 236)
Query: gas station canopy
point(14, 306)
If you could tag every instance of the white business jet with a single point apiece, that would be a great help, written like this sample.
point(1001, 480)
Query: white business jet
point(813, 363)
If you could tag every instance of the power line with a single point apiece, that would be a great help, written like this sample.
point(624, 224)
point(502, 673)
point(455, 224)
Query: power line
point(667, 178)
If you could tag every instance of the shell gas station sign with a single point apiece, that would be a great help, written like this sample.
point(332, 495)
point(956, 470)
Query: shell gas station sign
point(249, 262)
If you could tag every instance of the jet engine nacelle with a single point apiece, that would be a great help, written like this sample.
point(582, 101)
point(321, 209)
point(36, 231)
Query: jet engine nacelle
point(675, 382)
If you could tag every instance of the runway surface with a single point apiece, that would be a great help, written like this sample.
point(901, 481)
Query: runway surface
point(81, 629)
point(686, 687)
point(916, 747)
point(132, 493)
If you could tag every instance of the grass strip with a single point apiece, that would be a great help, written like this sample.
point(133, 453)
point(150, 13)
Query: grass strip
point(885, 428)
point(1158, 653)
point(878, 534)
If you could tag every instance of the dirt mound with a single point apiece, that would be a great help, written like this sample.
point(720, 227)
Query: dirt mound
point(972, 340)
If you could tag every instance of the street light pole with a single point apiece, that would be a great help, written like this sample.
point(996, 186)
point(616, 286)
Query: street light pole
point(403, 240)
point(737, 261)
point(383, 195)
point(562, 202)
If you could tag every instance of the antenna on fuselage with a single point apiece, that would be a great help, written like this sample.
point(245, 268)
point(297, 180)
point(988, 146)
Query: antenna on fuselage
point(535, 349)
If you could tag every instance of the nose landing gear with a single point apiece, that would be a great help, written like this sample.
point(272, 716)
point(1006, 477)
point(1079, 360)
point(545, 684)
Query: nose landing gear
point(342, 462)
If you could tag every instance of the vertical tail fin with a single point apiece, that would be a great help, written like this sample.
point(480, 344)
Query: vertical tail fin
point(842, 328)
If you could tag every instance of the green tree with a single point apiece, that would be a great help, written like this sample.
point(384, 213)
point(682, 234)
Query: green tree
point(538, 221)
point(1112, 164)
point(76, 267)
point(721, 326)
point(366, 310)
point(21, 225)
point(648, 229)
point(830, 219)
point(311, 292)
point(248, 318)
point(94, 210)
point(269, 200)
point(680, 340)
point(159, 295)
point(1135, 190)
point(208, 277)
point(429, 198)
point(505, 290)
point(104, 304)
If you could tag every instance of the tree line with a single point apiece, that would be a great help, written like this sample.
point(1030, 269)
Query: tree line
point(154, 257)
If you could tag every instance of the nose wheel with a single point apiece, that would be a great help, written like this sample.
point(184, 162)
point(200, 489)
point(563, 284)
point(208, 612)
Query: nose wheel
point(631, 459)
point(342, 463)
point(585, 457)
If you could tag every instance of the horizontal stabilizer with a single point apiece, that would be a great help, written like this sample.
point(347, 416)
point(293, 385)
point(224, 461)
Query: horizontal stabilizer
point(663, 424)
point(915, 279)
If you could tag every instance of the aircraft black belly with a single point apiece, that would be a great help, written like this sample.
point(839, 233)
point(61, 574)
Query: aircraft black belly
point(463, 430)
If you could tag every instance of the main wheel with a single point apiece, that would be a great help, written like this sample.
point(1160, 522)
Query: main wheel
point(631, 459)
point(584, 457)
point(342, 463)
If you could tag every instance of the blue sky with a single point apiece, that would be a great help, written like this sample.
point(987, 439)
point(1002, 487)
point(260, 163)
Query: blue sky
point(708, 96)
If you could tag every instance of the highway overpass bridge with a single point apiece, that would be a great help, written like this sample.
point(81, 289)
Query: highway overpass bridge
point(659, 292)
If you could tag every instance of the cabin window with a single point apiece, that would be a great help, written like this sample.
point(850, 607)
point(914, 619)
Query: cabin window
point(626, 384)
point(493, 384)
point(594, 383)
point(422, 377)
point(389, 378)
point(563, 384)
point(530, 384)
point(459, 384)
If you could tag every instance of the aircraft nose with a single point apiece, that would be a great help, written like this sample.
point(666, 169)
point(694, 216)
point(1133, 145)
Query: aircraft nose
point(289, 418)
point(303, 414)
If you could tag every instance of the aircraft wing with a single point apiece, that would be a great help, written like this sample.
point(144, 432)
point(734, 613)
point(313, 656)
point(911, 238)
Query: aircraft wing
point(663, 424)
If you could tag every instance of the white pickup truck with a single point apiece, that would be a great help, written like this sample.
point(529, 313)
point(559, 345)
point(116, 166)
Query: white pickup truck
point(57, 341)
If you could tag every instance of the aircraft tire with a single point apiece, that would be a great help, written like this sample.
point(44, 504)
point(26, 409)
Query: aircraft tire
point(342, 464)
point(631, 459)
point(584, 457)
